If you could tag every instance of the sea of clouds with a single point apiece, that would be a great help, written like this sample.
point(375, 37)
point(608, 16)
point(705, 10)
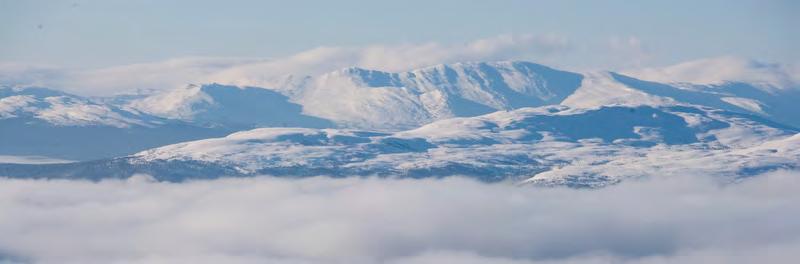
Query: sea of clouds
point(371, 220)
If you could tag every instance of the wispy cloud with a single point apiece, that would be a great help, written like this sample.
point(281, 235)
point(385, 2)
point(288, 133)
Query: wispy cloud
point(356, 220)
point(629, 51)
point(246, 71)
point(721, 69)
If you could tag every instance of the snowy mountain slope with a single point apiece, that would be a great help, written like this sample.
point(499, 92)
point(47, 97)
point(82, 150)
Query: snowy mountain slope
point(601, 88)
point(227, 106)
point(779, 105)
point(63, 109)
point(608, 88)
point(368, 99)
point(737, 84)
point(361, 98)
point(410, 99)
point(782, 153)
point(49, 123)
point(350, 98)
point(546, 145)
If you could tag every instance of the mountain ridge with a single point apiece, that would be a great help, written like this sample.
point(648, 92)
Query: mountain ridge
point(350, 98)
point(548, 145)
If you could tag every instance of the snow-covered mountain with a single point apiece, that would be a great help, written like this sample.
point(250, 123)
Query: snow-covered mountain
point(607, 88)
point(361, 98)
point(546, 145)
point(368, 99)
point(49, 123)
point(553, 127)
point(744, 85)
point(227, 106)
point(63, 109)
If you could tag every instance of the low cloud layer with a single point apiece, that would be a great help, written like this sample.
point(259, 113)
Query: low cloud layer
point(354, 220)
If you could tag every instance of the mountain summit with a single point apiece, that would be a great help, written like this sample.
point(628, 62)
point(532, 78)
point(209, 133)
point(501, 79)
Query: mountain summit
point(353, 99)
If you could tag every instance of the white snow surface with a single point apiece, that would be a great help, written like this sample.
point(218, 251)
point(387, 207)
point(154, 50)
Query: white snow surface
point(554, 145)
point(507, 119)
point(10, 106)
point(369, 99)
point(358, 98)
point(62, 109)
point(394, 101)
point(177, 103)
point(364, 98)
point(600, 88)
point(746, 103)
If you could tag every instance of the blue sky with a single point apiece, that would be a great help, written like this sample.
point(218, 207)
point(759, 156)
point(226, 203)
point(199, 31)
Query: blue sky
point(82, 33)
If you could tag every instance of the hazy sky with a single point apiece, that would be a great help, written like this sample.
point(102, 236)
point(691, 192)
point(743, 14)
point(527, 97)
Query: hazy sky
point(86, 33)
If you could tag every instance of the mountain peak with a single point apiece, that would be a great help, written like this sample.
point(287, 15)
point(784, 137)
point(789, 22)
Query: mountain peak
point(412, 98)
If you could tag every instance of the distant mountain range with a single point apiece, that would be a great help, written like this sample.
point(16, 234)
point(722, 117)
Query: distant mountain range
point(495, 121)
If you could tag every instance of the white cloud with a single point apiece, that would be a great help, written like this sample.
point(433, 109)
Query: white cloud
point(149, 76)
point(356, 220)
point(392, 58)
point(503, 47)
point(720, 69)
point(628, 51)
point(118, 79)
point(24, 74)
point(175, 72)
point(31, 160)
